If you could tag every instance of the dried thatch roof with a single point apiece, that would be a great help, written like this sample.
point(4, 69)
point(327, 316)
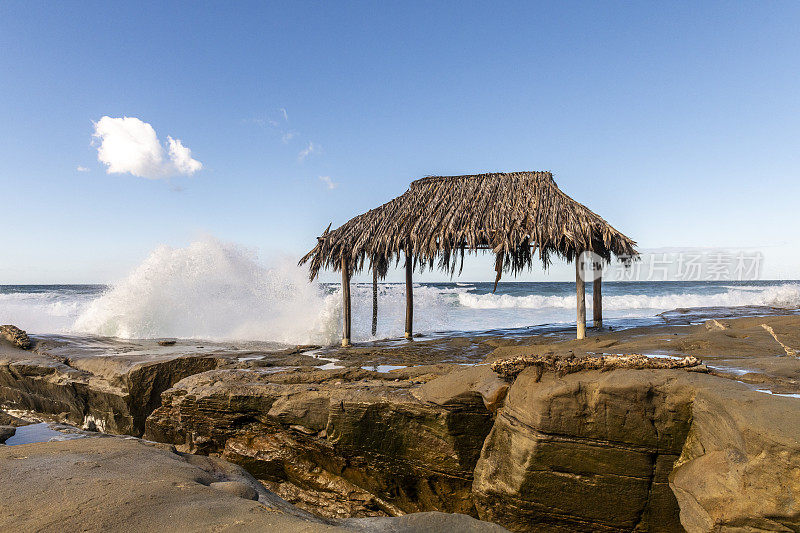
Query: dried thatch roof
point(439, 217)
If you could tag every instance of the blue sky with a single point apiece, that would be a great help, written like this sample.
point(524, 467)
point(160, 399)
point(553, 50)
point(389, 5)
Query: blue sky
point(677, 122)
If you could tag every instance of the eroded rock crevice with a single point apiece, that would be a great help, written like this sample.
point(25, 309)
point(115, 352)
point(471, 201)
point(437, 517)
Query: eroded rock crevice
point(589, 452)
point(365, 447)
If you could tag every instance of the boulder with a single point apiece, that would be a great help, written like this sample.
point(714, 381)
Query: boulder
point(465, 384)
point(591, 451)
point(15, 336)
point(739, 469)
point(6, 432)
point(640, 450)
point(341, 443)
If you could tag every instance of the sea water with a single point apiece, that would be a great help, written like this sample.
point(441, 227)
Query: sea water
point(219, 291)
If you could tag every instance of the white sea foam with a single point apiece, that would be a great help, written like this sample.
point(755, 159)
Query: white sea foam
point(782, 296)
point(47, 311)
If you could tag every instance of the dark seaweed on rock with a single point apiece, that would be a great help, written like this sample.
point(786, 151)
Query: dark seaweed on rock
point(508, 369)
point(439, 217)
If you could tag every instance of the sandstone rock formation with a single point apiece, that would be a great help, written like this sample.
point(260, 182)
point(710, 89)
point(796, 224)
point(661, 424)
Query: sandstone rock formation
point(618, 450)
point(13, 421)
point(586, 452)
point(110, 394)
point(649, 450)
point(108, 385)
point(116, 484)
point(590, 451)
point(739, 469)
point(15, 336)
point(342, 443)
point(6, 432)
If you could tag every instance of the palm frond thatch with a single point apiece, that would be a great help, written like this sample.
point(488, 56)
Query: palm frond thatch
point(441, 217)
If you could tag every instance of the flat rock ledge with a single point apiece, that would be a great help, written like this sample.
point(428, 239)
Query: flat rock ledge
point(126, 484)
point(110, 394)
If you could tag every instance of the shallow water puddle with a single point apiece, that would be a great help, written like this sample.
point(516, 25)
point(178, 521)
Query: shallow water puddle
point(785, 395)
point(262, 370)
point(383, 368)
point(329, 366)
point(662, 356)
point(39, 433)
point(732, 370)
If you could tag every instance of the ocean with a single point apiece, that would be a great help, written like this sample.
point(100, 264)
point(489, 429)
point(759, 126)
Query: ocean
point(275, 307)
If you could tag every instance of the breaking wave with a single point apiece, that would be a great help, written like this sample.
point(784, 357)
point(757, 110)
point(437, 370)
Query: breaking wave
point(782, 296)
point(212, 290)
point(221, 291)
point(42, 311)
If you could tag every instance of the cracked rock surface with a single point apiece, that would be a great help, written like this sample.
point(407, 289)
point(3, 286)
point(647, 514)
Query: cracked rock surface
point(125, 484)
point(608, 448)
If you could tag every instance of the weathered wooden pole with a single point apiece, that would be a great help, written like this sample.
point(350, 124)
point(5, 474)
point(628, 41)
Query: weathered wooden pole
point(409, 298)
point(580, 289)
point(374, 299)
point(345, 301)
point(597, 296)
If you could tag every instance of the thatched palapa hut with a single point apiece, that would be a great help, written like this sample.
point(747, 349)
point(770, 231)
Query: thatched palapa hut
point(513, 215)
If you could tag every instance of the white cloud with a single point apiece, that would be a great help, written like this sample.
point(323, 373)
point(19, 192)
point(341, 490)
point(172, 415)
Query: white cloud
point(310, 150)
point(131, 146)
point(181, 157)
point(288, 136)
point(328, 182)
point(82, 169)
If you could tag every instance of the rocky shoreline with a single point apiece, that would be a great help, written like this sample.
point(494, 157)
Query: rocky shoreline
point(108, 483)
point(612, 443)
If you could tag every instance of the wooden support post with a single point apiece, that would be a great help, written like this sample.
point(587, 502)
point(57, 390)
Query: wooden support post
point(374, 300)
point(409, 297)
point(597, 297)
point(345, 301)
point(580, 289)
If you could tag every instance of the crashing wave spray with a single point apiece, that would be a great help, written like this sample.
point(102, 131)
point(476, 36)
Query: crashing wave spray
point(219, 291)
point(213, 290)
